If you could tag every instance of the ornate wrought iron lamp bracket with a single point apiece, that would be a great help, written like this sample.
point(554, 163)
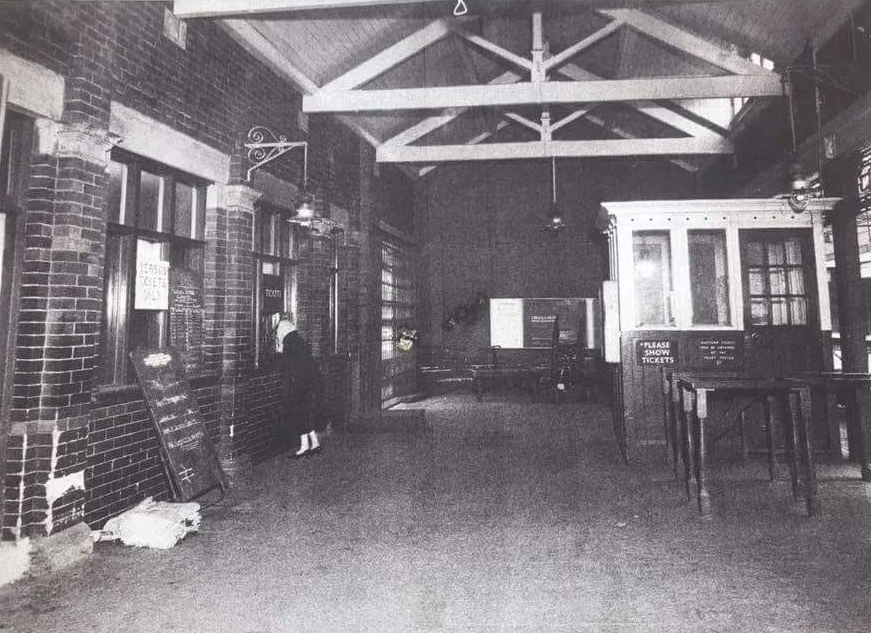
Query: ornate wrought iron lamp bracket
point(264, 146)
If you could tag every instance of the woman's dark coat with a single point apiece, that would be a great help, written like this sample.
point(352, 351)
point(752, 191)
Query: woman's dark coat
point(303, 388)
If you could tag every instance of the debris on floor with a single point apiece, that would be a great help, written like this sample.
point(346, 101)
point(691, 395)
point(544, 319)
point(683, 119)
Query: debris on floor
point(14, 560)
point(157, 524)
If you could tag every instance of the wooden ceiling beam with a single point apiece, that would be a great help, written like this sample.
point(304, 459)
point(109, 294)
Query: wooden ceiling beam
point(497, 50)
point(564, 55)
point(649, 108)
point(538, 93)
point(559, 149)
point(430, 124)
point(227, 8)
point(689, 43)
point(390, 57)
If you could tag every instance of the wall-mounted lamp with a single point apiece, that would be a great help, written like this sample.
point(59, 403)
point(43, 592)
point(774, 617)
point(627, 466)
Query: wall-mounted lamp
point(264, 146)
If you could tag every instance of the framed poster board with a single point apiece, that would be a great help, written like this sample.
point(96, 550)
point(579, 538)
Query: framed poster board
point(189, 457)
point(529, 323)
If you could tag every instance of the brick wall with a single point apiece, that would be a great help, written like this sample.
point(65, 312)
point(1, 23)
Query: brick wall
point(213, 92)
point(124, 465)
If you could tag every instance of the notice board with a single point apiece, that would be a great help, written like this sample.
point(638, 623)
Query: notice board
point(715, 351)
point(528, 323)
point(190, 459)
point(186, 312)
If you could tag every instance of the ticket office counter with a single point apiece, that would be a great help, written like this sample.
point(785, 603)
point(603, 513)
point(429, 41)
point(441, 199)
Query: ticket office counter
point(713, 286)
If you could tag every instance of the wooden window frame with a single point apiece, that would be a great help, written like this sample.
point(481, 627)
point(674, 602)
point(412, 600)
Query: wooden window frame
point(805, 249)
point(287, 258)
point(336, 236)
point(122, 235)
point(12, 202)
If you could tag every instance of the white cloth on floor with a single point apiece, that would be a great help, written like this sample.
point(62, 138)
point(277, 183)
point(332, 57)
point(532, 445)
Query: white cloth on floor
point(157, 524)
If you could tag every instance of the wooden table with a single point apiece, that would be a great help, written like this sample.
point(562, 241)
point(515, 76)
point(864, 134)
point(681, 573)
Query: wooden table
point(694, 391)
point(855, 391)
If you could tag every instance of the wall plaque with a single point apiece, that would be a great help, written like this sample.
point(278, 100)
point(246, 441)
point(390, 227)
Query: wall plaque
point(189, 457)
point(659, 352)
point(716, 351)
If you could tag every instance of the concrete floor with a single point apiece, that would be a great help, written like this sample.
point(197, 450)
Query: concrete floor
point(503, 517)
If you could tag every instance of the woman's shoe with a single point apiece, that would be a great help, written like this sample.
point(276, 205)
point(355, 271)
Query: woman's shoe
point(315, 451)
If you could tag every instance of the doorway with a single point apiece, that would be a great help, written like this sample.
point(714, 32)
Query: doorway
point(781, 315)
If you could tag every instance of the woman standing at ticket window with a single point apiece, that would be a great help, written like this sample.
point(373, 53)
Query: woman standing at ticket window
point(304, 390)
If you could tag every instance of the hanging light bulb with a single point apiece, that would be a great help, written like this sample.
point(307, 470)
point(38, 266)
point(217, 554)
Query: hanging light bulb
point(555, 220)
point(802, 187)
point(305, 210)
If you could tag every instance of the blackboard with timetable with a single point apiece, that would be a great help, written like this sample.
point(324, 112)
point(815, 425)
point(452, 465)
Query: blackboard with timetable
point(189, 457)
point(186, 315)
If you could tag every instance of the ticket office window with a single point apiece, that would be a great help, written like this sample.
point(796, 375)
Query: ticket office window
point(276, 255)
point(156, 218)
point(651, 255)
point(709, 277)
point(681, 279)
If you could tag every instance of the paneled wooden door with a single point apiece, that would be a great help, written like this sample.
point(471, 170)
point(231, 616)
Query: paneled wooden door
point(781, 310)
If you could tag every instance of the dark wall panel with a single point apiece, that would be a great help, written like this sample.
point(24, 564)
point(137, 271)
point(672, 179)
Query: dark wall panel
point(480, 230)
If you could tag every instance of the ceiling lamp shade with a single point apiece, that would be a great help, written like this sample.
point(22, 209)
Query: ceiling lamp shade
point(304, 211)
point(802, 187)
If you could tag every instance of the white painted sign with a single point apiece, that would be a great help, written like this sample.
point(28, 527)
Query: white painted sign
point(152, 285)
point(506, 322)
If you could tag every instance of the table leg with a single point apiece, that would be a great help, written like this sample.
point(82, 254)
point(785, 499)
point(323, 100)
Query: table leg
point(806, 441)
point(769, 437)
point(479, 388)
point(686, 398)
point(742, 433)
point(862, 430)
point(666, 406)
point(675, 402)
point(701, 415)
point(790, 416)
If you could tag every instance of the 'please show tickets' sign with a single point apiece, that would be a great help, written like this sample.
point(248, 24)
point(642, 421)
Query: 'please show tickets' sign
point(656, 352)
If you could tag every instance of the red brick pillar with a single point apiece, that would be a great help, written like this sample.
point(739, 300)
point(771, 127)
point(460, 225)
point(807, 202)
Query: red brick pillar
point(58, 329)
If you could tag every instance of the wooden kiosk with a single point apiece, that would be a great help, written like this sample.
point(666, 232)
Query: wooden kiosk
point(732, 285)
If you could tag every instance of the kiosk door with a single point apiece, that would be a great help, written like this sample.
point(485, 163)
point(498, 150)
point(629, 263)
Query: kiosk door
point(781, 316)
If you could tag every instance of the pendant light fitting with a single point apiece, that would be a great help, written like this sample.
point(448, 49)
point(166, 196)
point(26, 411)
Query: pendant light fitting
point(555, 221)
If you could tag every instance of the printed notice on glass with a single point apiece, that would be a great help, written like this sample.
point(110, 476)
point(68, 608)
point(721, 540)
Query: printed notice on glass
point(506, 323)
point(152, 285)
